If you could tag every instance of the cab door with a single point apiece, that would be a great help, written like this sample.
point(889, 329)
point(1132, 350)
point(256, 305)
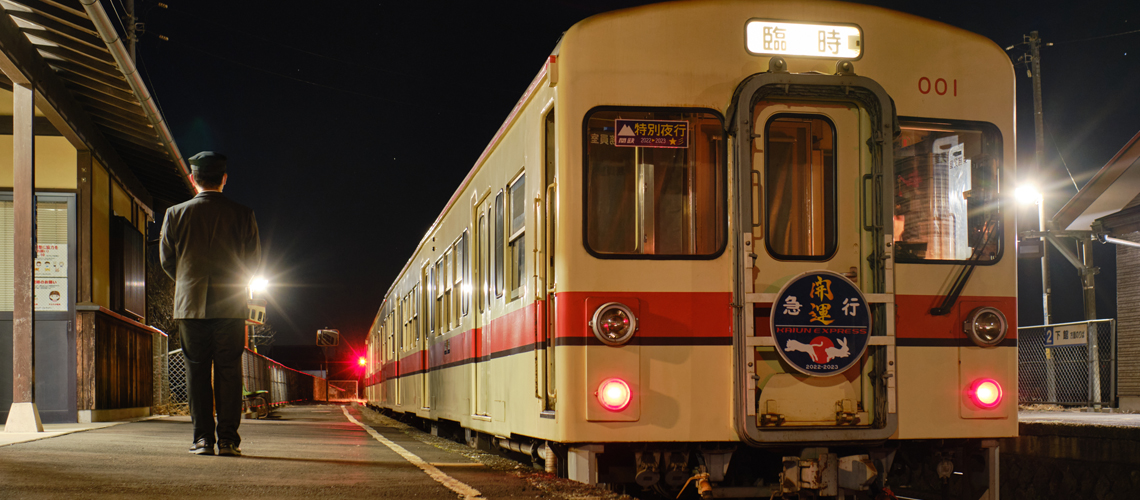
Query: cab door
point(811, 160)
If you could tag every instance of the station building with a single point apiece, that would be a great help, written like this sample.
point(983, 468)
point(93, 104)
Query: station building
point(104, 164)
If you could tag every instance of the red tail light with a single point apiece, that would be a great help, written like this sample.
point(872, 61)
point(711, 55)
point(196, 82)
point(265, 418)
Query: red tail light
point(986, 393)
point(614, 394)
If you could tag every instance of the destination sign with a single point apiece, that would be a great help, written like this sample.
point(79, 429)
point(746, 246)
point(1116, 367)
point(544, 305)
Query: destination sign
point(783, 38)
point(652, 133)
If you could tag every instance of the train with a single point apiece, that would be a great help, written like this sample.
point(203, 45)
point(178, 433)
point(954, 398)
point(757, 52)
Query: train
point(730, 248)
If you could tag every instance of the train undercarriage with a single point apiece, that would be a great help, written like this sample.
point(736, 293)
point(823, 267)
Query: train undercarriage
point(963, 469)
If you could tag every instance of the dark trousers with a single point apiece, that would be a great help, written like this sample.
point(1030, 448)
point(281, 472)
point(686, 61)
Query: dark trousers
point(219, 342)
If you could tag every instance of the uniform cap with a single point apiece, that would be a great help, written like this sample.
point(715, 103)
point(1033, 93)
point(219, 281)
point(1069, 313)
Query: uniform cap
point(208, 162)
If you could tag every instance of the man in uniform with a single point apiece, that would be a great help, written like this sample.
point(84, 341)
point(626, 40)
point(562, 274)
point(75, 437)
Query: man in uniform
point(211, 248)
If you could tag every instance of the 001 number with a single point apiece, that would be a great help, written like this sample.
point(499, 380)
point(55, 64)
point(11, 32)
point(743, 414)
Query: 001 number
point(939, 86)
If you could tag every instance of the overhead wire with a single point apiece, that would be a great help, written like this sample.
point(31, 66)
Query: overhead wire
point(1098, 37)
point(1053, 141)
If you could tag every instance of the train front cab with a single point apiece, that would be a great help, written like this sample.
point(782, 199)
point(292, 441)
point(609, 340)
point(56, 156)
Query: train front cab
point(841, 193)
point(857, 175)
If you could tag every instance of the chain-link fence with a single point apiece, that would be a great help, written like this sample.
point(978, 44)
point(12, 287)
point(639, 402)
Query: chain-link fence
point(177, 373)
point(1067, 363)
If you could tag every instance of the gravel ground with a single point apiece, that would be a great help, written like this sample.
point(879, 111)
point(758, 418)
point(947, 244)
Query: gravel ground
point(549, 484)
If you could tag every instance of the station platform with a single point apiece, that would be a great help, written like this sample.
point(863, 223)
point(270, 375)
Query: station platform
point(1072, 454)
point(308, 451)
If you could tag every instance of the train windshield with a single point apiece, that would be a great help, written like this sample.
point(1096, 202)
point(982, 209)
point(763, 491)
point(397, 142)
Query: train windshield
point(655, 183)
point(947, 206)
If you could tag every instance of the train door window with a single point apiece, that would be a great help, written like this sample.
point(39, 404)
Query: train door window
point(413, 298)
point(800, 187)
point(656, 187)
point(947, 200)
point(484, 264)
point(497, 260)
point(425, 297)
point(453, 284)
point(448, 296)
point(430, 297)
point(517, 244)
point(440, 316)
point(462, 275)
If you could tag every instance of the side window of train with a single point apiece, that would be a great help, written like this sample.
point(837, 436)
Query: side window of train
point(655, 183)
point(800, 187)
point(947, 203)
point(517, 243)
point(497, 259)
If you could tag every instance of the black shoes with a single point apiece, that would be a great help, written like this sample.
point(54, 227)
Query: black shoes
point(202, 447)
point(228, 449)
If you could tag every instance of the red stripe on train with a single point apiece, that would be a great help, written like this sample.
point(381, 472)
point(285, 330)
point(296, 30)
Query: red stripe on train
point(913, 318)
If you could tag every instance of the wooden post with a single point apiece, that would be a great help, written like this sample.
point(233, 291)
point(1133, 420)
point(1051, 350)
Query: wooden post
point(23, 417)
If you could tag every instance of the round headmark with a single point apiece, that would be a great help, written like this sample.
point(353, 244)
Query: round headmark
point(821, 323)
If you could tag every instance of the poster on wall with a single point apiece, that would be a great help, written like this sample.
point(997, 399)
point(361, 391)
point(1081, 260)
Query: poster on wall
point(51, 260)
point(51, 294)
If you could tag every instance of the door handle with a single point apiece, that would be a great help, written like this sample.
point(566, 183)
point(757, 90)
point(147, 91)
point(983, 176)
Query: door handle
point(852, 274)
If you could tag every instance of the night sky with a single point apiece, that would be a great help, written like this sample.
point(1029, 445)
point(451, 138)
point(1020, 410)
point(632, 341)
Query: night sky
point(348, 125)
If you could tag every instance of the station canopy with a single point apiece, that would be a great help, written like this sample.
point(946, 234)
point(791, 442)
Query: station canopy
point(1114, 188)
point(93, 94)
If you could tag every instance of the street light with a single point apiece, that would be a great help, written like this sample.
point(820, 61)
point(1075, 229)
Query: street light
point(258, 285)
point(1027, 193)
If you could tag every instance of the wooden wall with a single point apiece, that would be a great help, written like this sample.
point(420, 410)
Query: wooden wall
point(116, 361)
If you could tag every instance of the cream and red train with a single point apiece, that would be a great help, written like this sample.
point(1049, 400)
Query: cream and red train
point(763, 245)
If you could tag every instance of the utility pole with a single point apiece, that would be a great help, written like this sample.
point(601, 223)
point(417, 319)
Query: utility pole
point(1033, 60)
point(131, 25)
point(1034, 41)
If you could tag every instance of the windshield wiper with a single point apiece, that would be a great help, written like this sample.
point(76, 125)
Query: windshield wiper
point(988, 231)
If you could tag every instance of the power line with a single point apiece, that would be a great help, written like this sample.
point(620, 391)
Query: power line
point(1053, 140)
point(1098, 37)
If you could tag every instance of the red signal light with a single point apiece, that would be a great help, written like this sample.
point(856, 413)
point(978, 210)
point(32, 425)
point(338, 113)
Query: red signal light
point(986, 393)
point(614, 394)
point(363, 361)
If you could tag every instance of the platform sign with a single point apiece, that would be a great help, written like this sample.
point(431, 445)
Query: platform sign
point(785, 38)
point(652, 133)
point(821, 323)
point(1062, 335)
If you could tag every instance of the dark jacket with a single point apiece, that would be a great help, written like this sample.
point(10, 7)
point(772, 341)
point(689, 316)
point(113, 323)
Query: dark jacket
point(210, 247)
